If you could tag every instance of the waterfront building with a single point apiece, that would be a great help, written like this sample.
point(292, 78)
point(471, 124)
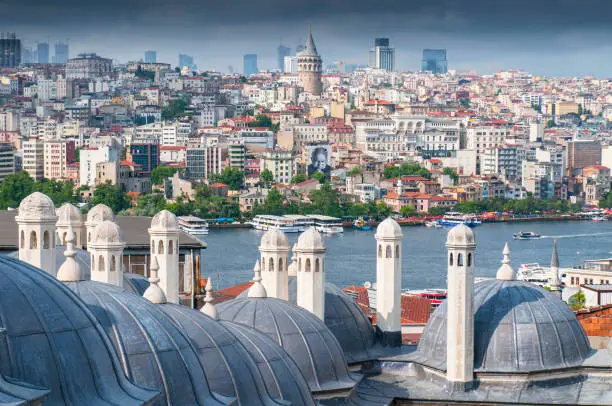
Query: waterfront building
point(434, 61)
point(150, 57)
point(88, 66)
point(10, 50)
point(250, 64)
point(310, 67)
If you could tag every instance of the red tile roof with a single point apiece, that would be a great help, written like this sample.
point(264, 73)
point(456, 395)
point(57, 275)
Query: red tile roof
point(415, 309)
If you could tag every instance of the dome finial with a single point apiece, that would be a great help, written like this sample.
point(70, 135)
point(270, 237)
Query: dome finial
point(505, 272)
point(70, 270)
point(257, 290)
point(154, 293)
point(209, 308)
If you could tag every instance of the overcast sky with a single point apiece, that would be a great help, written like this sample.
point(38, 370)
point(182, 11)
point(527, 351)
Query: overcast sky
point(560, 37)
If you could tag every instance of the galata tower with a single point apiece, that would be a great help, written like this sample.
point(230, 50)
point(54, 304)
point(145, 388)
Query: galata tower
point(309, 67)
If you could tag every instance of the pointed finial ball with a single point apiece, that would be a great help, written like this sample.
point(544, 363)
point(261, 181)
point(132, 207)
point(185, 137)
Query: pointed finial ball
point(505, 271)
point(154, 293)
point(257, 290)
point(461, 236)
point(209, 308)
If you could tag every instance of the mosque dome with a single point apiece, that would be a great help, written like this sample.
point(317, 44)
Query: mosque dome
point(309, 240)
point(37, 206)
point(54, 342)
point(460, 235)
point(107, 232)
point(164, 221)
point(281, 375)
point(155, 352)
point(273, 239)
point(518, 328)
point(98, 214)
point(306, 339)
point(389, 228)
point(69, 214)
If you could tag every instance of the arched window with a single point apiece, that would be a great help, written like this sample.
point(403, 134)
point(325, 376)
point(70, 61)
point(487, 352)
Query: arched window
point(280, 265)
point(160, 247)
point(153, 247)
point(101, 263)
point(397, 251)
point(307, 265)
point(317, 265)
point(171, 247)
point(64, 238)
point(271, 265)
point(300, 265)
point(459, 260)
point(88, 237)
point(380, 251)
point(113, 264)
point(22, 242)
point(46, 241)
point(33, 240)
point(450, 258)
point(389, 253)
point(469, 259)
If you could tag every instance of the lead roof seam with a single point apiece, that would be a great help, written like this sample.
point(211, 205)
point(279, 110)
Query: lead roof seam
point(534, 325)
point(363, 339)
point(488, 289)
point(557, 335)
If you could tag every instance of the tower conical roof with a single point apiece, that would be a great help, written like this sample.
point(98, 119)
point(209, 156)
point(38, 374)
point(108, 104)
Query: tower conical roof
point(310, 49)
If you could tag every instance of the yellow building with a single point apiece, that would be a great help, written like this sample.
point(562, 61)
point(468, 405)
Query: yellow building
point(337, 110)
point(562, 108)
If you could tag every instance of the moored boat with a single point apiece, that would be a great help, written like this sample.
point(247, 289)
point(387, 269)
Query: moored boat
point(327, 224)
point(526, 235)
point(265, 222)
point(361, 224)
point(193, 225)
point(453, 218)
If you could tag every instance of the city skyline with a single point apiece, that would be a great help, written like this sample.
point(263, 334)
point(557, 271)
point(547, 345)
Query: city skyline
point(562, 41)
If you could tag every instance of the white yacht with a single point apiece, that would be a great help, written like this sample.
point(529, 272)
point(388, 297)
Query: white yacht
point(327, 224)
point(300, 221)
point(264, 222)
point(193, 225)
point(534, 273)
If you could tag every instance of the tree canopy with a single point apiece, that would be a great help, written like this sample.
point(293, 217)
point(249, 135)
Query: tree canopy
point(404, 170)
point(159, 174)
point(16, 187)
point(232, 177)
point(111, 196)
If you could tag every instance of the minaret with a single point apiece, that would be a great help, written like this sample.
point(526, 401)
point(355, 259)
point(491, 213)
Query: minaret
point(274, 252)
point(389, 282)
point(555, 283)
point(461, 245)
point(70, 270)
point(106, 249)
point(209, 308)
point(310, 67)
point(36, 220)
point(164, 236)
point(154, 293)
point(69, 217)
point(96, 216)
point(310, 252)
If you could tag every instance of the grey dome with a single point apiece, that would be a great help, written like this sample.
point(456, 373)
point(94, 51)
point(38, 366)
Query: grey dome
point(303, 335)
point(519, 327)
point(154, 352)
point(135, 283)
point(280, 373)
point(54, 342)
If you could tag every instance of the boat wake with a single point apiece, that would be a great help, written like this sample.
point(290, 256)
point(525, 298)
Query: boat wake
point(576, 235)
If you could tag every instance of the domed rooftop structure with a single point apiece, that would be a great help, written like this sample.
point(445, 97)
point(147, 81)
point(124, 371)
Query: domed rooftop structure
point(69, 214)
point(281, 375)
point(37, 206)
point(389, 228)
point(98, 214)
point(302, 335)
point(55, 342)
point(83, 257)
point(518, 327)
point(460, 235)
point(273, 239)
point(164, 221)
point(309, 240)
point(107, 232)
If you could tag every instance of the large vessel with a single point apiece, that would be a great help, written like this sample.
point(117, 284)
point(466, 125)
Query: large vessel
point(301, 222)
point(454, 218)
point(533, 273)
point(327, 224)
point(193, 225)
point(522, 235)
point(266, 222)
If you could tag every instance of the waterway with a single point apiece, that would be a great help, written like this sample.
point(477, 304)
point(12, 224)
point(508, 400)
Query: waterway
point(351, 256)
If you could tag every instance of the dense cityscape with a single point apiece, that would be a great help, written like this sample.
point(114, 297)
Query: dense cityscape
point(112, 173)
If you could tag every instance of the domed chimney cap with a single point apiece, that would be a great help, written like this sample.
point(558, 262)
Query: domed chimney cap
point(274, 239)
point(310, 240)
point(108, 232)
point(37, 206)
point(69, 214)
point(461, 236)
point(164, 221)
point(98, 214)
point(389, 228)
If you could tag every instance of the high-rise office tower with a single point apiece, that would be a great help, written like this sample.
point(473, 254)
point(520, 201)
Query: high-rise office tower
point(434, 61)
point(61, 53)
point(281, 52)
point(27, 55)
point(43, 52)
point(185, 60)
point(382, 56)
point(150, 57)
point(309, 67)
point(250, 64)
point(10, 50)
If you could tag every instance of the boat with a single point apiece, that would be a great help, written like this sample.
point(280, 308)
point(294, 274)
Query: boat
point(526, 235)
point(455, 218)
point(435, 296)
point(533, 273)
point(599, 219)
point(265, 222)
point(301, 222)
point(327, 224)
point(433, 224)
point(193, 225)
point(361, 224)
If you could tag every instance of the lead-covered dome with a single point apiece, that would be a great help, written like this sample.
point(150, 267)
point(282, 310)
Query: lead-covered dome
point(310, 240)
point(164, 221)
point(37, 206)
point(54, 342)
point(518, 327)
point(302, 335)
point(274, 238)
point(389, 228)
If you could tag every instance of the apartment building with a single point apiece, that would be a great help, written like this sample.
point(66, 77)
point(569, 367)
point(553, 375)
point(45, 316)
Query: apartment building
point(57, 156)
point(90, 157)
point(33, 155)
point(281, 163)
point(7, 160)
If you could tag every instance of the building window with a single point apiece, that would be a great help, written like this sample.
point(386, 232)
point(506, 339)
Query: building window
point(271, 265)
point(307, 265)
point(33, 240)
point(46, 242)
point(280, 265)
point(100, 263)
point(171, 247)
point(397, 251)
point(380, 251)
point(153, 247)
point(113, 264)
point(160, 247)
point(469, 259)
point(317, 269)
point(22, 240)
point(460, 260)
point(389, 252)
point(450, 259)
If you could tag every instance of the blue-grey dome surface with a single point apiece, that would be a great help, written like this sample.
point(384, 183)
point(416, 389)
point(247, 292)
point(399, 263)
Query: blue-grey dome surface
point(82, 257)
point(518, 327)
point(135, 283)
point(153, 351)
point(53, 341)
point(282, 376)
point(301, 334)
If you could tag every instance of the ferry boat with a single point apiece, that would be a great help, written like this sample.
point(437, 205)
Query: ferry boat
point(454, 218)
point(327, 224)
point(361, 224)
point(265, 222)
point(599, 219)
point(193, 225)
point(301, 222)
point(526, 235)
point(533, 273)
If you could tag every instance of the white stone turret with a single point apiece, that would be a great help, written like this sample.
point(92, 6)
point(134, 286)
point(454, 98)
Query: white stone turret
point(209, 308)
point(106, 250)
point(274, 252)
point(164, 236)
point(154, 293)
point(461, 245)
point(555, 283)
point(389, 282)
point(95, 217)
point(70, 270)
point(310, 252)
point(36, 220)
point(69, 217)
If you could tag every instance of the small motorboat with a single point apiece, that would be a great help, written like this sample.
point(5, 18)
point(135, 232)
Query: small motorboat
point(526, 235)
point(599, 219)
point(433, 224)
point(361, 224)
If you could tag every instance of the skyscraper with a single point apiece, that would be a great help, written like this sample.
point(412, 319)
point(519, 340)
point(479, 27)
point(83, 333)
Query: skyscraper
point(151, 57)
point(382, 56)
point(61, 53)
point(250, 64)
point(309, 67)
point(185, 60)
point(43, 52)
point(10, 50)
point(281, 52)
point(434, 61)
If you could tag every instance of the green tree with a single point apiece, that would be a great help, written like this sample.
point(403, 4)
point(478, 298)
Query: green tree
point(15, 188)
point(550, 123)
point(354, 171)
point(393, 171)
point(111, 196)
point(159, 174)
point(408, 211)
point(232, 177)
point(326, 201)
point(320, 176)
point(435, 211)
point(451, 172)
point(242, 79)
point(383, 210)
point(299, 178)
point(576, 301)
point(174, 109)
point(274, 203)
point(261, 120)
point(59, 191)
point(465, 102)
point(149, 204)
point(266, 177)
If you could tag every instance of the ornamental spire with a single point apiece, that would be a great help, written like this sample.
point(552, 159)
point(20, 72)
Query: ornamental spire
point(154, 293)
point(257, 290)
point(70, 270)
point(209, 308)
point(505, 272)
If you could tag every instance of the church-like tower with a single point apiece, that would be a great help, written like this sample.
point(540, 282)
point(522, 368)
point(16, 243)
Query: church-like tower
point(310, 67)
